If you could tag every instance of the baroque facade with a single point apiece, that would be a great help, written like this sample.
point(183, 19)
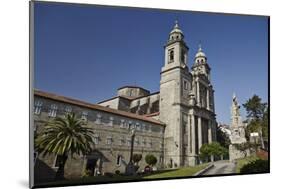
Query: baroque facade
point(172, 124)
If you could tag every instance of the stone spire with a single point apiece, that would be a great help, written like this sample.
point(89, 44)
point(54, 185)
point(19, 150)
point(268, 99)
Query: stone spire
point(235, 112)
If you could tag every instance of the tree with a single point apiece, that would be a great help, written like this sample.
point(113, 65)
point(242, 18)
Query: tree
point(222, 138)
point(254, 107)
point(257, 112)
point(136, 158)
point(64, 137)
point(211, 150)
point(150, 159)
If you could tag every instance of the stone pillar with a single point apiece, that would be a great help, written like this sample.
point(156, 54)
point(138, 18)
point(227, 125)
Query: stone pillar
point(208, 99)
point(209, 131)
point(192, 135)
point(189, 142)
point(198, 93)
point(199, 133)
point(213, 101)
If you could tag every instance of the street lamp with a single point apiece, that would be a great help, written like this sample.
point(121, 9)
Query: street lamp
point(130, 168)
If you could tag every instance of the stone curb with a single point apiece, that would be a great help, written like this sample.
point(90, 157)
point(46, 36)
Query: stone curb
point(201, 172)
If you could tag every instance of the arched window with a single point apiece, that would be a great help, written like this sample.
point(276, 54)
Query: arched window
point(202, 61)
point(171, 56)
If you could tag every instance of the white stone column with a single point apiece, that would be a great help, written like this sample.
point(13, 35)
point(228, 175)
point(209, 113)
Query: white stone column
point(189, 142)
point(199, 133)
point(213, 101)
point(198, 93)
point(192, 135)
point(208, 99)
point(209, 131)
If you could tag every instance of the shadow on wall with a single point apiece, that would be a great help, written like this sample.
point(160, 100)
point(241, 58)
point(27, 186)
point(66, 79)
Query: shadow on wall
point(43, 173)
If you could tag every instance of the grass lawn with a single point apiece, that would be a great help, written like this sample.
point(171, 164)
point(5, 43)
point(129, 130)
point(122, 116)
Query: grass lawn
point(243, 161)
point(182, 172)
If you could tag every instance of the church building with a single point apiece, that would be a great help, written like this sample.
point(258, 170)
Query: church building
point(172, 123)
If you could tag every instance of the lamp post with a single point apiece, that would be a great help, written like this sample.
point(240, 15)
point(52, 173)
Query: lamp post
point(130, 168)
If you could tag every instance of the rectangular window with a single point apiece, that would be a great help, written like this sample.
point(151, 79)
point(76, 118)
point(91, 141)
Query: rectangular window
point(111, 119)
point(98, 120)
point(84, 116)
point(38, 107)
point(122, 141)
point(143, 142)
point(53, 110)
point(128, 142)
point(96, 139)
point(67, 110)
point(122, 123)
point(137, 142)
point(109, 140)
point(138, 126)
point(143, 127)
point(185, 85)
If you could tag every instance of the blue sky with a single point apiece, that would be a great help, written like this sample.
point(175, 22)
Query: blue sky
point(87, 52)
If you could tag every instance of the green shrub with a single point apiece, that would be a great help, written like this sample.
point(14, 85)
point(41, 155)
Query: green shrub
point(150, 159)
point(257, 166)
point(117, 172)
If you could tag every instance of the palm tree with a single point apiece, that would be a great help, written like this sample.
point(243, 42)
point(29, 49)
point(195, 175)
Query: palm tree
point(64, 137)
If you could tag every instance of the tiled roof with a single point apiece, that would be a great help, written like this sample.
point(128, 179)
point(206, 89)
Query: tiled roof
point(152, 114)
point(95, 107)
point(125, 97)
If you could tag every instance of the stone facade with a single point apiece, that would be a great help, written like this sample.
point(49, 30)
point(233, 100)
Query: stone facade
point(112, 134)
point(172, 124)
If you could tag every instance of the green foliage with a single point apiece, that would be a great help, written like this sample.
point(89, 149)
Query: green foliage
point(254, 107)
point(257, 166)
point(117, 172)
point(213, 149)
point(257, 112)
point(222, 138)
point(65, 136)
point(150, 159)
point(136, 158)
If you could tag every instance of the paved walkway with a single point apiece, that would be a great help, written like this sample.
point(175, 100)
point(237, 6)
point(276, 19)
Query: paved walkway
point(221, 167)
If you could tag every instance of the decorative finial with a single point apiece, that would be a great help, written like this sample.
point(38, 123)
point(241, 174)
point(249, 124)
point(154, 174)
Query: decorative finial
point(176, 24)
point(200, 46)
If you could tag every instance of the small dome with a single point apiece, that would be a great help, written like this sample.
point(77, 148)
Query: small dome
point(200, 53)
point(176, 28)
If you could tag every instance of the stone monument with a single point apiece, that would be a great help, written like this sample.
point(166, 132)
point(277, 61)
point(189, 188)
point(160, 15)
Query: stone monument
point(237, 129)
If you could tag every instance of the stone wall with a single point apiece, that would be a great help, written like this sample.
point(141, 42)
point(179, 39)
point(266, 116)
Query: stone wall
point(112, 138)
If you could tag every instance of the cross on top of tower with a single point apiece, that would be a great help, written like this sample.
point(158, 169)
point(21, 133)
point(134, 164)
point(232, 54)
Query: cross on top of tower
point(176, 28)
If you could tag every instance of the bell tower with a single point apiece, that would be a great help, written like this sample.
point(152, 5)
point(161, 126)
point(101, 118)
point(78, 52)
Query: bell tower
point(176, 50)
point(175, 87)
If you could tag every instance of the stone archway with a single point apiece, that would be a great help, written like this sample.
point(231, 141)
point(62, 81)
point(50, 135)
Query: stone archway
point(94, 162)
